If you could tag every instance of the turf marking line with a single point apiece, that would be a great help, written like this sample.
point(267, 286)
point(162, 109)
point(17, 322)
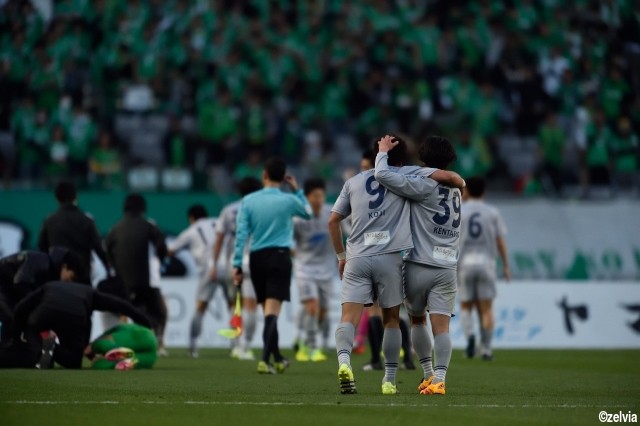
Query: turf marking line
point(301, 404)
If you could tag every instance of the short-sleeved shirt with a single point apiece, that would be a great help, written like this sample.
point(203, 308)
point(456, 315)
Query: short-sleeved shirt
point(379, 218)
point(226, 225)
point(266, 216)
point(315, 257)
point(482, 224)
point(199, 237)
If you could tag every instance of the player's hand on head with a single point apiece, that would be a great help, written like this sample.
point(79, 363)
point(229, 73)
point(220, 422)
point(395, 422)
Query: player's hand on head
point(387, 143)
point(291, 180)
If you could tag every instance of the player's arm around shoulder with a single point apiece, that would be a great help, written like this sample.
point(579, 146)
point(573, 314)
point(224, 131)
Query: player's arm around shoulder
point(412, 186)
point(448, 178)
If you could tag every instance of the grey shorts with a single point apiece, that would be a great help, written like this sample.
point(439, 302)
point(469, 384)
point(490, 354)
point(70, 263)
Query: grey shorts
point(428, 288)
point(477, 284)
point(312, 288)
point(372, 278)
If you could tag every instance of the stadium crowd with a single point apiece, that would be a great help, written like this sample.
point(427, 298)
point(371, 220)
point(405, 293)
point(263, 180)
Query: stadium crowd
point(534, 93)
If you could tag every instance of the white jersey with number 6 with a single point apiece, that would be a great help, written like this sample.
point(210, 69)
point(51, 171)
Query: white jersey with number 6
point(315, 257)
point(481, 227)
point(379, 218)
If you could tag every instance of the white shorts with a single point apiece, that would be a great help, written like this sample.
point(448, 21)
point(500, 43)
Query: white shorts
point(206, 287)
point(477, 284)
point(371, 278)
point(312, 288)
point(429, 288)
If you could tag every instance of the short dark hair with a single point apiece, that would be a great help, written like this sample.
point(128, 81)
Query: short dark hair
point(66, 192)
point(437, 152)
point(476, 186)
point(135, 203)
point(370, 155)
point(275, 168)
point(74, 263)
point(314, 183)
point(248, 185)
point(397, 156)
point(197, 211)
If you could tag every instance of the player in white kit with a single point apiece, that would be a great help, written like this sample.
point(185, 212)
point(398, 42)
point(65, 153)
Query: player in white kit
point(371, 265)
point(430, 268)
point(314, 268)
point(198, 238)
point(482, 240)
point(223, 270)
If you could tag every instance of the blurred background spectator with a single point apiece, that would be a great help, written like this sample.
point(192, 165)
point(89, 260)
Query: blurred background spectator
point(538, 95)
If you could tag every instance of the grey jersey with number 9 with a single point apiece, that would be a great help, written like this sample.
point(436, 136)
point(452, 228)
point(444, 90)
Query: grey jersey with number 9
point(435, 213)
point(379, 218)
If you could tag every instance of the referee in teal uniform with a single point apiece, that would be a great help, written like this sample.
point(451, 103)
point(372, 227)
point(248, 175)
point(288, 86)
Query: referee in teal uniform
point(266, 217)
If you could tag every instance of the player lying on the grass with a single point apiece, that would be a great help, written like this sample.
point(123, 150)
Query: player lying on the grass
point(266, 218)
point(65, 308)
point(371, 265)
point(481, 241)
point(223, 268)
point(430, 268)
point(314, 268)
point(123, 347)
point(199, 239)
point(23, 272)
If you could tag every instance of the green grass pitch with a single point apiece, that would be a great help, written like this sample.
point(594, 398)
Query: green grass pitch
point(519, 387)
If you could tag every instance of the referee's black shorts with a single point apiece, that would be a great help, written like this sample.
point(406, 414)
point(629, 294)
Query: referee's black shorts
point(271, 273)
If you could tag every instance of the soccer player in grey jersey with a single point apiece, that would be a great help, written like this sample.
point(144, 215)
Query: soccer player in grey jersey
point(371, 265)
point(482, 239)
point(222, 268)
point(314, 268)
point(430, 268)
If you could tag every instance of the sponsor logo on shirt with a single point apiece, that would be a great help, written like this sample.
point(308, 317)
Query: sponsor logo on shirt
point(445, 253)
point(376, 238)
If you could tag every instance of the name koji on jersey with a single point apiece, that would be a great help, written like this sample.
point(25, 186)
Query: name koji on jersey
point(376, 213)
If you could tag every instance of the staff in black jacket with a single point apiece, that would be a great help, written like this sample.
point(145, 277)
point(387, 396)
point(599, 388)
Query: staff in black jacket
point(71, 228)
point(23, 272)
point(65, 308)
point(128, 250)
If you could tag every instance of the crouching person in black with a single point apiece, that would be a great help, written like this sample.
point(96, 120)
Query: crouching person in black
point(24, 272)
point(65, 308)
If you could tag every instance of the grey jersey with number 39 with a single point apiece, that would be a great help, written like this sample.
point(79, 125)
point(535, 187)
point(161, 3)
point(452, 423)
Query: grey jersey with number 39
point(379, 218)
point(435, 213)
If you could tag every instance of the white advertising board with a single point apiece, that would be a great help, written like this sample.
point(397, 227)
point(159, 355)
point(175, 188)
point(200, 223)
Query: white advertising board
point(529, 314)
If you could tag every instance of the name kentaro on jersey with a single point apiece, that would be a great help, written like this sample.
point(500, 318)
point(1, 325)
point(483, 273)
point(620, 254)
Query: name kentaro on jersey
point(482, 224)
point(435, 213)
point(379, 218)
point(315, 257)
